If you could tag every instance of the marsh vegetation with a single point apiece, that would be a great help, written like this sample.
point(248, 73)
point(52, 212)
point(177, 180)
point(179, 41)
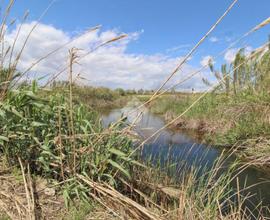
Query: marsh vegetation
point(59, 161)
point(235, 113)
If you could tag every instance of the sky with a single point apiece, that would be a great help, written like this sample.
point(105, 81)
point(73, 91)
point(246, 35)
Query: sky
point(160, 33)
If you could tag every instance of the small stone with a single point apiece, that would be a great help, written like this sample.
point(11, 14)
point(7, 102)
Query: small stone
point(49, 191)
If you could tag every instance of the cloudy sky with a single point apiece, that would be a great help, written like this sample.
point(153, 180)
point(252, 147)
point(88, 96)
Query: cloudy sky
point(160, 33)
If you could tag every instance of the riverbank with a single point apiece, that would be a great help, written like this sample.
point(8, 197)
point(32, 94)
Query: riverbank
point(96, 98)
point(57, 155)
point(241, 121)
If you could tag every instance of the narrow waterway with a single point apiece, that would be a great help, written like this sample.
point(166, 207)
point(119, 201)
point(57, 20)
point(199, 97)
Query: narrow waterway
point(181, 149)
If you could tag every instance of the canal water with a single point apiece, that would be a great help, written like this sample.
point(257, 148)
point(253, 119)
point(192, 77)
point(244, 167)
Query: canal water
point(182, 150)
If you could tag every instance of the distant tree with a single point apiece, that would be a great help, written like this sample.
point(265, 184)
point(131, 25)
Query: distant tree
point(140, 91)
point(239, 73)
point(173, 90)
point(130, 92)
point(60, 83)
point(246, 72)
point(261, 76)
point(226, 77)
point(120, 91)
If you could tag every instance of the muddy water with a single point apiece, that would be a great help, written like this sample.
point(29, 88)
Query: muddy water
point(176, 147)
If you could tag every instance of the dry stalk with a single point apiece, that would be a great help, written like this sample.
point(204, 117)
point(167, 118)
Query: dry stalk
point(262, 24)
point(30, 33)
point(59, 143)
point(13, 65)
point(72, 60)
point(5, 208)
point(4, 19)
point(194, 48)
point(33, 201)
point(85, 55)
point(29, 194)
point(133, 207)
point(3, 31)
point(104, 205)
point(145, 197)
point(59, 48)
point(16, 38)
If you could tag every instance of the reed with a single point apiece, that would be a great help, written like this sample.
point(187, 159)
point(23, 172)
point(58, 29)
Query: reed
point(49, 135)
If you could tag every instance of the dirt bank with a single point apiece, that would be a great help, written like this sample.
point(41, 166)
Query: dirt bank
point(203, 126)
point(255, 150)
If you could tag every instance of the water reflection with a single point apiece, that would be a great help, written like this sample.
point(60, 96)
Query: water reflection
point(182, 150)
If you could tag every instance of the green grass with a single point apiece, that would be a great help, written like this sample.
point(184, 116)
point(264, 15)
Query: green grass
point(4, 216)
point(223, 120)
point(58, 142)
point(94, 97)
point(80, 211)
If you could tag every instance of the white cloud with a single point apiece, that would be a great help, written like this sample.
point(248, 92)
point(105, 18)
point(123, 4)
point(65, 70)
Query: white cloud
point(213, 39)
point(231, 53)
point(228, 39)
point(110, 66)
point(205, 60)
point(248, 50)
point(182, 47)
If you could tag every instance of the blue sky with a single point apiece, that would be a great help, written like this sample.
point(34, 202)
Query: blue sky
point(166, 28)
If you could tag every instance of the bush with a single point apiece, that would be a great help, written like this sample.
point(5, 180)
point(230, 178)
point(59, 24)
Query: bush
point(58, 142)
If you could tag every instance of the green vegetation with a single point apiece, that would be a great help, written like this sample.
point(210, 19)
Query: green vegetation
point(235, 112)
point(47, 138)
point(80, 212)
point(68, 147)
point(58, 161)
point(94, 97)
point(56, 136)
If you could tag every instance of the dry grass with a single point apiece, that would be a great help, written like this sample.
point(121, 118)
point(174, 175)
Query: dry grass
point(131, 203)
